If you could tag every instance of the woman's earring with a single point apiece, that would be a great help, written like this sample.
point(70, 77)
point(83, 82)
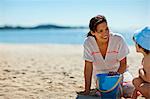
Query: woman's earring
point(92, 33)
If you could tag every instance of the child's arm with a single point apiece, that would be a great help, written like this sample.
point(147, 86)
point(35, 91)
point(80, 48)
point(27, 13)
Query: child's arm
point(145, 76)
point(145, 71)
point(134, 95)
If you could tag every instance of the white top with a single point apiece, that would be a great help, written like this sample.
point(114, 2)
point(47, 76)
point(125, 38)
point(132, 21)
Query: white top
point(116, 51)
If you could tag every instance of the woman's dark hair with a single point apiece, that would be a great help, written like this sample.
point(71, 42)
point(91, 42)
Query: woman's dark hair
point(94, 22)
point(145, 50)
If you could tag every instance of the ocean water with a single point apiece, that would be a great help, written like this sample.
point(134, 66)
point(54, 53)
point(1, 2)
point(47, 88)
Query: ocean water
point(50, 36)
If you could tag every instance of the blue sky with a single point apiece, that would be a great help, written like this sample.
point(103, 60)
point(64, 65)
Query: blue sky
point(119, 13)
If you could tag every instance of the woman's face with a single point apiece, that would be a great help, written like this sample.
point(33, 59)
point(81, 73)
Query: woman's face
point(102, 32)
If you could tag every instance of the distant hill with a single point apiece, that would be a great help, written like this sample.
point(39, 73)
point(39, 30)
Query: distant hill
point(48, 26)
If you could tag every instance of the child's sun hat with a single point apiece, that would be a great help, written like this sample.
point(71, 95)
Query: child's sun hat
point(142, 37)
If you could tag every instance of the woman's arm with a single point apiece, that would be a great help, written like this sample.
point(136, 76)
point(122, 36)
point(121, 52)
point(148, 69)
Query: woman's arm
point(123, 66)
point(88, 76)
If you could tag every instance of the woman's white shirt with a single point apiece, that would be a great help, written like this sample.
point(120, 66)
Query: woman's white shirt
point(116, 51)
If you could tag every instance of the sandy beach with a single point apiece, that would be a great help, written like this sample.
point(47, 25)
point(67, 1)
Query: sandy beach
point(46, 71)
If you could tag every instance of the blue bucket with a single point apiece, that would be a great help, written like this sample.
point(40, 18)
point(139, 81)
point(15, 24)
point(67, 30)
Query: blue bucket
point(109, 86)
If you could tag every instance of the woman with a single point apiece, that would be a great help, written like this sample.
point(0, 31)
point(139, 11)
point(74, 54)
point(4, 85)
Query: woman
point(104, 52)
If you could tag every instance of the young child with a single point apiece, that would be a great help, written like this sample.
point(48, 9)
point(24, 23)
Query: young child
point(142, 83)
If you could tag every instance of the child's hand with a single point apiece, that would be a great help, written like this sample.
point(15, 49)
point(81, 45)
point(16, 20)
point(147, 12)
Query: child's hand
point(141, 71)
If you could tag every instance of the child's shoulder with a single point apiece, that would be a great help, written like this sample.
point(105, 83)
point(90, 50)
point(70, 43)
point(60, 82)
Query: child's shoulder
point(146, 64)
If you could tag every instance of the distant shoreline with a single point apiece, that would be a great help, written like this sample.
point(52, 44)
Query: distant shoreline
point(48, 26)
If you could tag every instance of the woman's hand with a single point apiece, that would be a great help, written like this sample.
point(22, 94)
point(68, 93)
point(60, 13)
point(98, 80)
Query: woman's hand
point(92, 92)
point(112, 73)
point(86, 92)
